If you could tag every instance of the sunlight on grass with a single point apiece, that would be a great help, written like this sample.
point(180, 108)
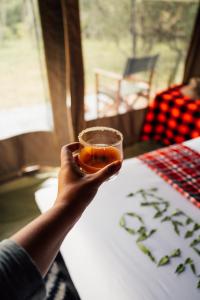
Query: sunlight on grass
point(20, 74)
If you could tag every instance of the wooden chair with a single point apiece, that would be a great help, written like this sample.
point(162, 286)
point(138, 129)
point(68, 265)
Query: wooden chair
point(127, 84)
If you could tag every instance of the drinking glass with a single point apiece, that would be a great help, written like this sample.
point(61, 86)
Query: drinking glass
point(100, 146)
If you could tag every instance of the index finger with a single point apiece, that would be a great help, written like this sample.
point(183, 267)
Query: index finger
point(67, 150)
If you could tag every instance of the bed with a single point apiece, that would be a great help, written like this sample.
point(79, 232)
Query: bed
point(102, 252)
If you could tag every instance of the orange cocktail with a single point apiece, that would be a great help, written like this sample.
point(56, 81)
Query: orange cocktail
point(92, 159)
point(100, 146)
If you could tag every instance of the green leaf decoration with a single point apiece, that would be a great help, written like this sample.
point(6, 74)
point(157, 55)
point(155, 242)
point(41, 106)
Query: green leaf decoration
point(189, 221)
point(129, 230)
point(177, 213)
point(154, 189)
point(132, 214)
point(176, 253)
point(196, 227)
point(158, 214)
point(180, 268)
point(130, 195)
point(144, 196)
point(166, 219)
point(196, 250)
point(122, 222)
point(141, 191)
point(175, 225)
point(146, 251)
point(142, 237)
point(164, 260)
point(149, 203)
point(188, 261)
point(195, 242)
point(178, 223)
point(198, 284)
point(152, 232)
point(192, 266)
point(189, 234)
point(142, 230)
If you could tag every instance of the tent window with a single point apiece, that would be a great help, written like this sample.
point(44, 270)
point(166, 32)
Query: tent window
point(114, 30)
point(24, 105)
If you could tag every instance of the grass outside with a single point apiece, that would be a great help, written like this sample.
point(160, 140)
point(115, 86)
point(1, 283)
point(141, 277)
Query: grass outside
point(21, 76)
point(105, 54)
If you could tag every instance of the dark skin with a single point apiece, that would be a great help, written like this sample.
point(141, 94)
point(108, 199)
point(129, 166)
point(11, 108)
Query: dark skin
point(43, 237)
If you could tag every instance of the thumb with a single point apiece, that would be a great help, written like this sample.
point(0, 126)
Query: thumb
point(107, 172)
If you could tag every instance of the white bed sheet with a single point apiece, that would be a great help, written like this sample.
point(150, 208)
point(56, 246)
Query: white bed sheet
point(104, 260)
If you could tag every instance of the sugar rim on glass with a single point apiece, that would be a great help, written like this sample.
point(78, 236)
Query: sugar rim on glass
point(99, 128)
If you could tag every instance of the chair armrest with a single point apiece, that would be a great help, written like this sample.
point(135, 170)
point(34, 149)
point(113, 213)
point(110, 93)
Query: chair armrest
point(109, 74)
point(135, 79)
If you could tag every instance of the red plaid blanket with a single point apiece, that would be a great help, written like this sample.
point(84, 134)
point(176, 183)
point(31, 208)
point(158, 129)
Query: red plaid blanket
point(180, 167)
point(172, 118)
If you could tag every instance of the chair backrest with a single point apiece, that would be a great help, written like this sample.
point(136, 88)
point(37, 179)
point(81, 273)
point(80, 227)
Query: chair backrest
point(136, 65)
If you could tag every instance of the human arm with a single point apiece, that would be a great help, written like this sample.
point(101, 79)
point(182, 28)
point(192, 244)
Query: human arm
point(42, 238)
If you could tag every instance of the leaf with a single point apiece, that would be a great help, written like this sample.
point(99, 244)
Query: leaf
point(192, 266)
point(195, 242)
point(130, 230)
point(122, 222)
point(196, 227)
point(180, 268)
point(177, 213)
point(198, 284)
point(176, 229)
point(188, 261)
point(189, 221)
point(132, 214)
point(154, 189)
point(152, 232)
point(188, 234)
point(158, 214)
point(151, 257)
point(175, 253)
point(130, 195)
point(149, 203)
point(178, 223)
point(142, 230)
point(146, 251)
point(142, 237)
point(196, 250)
point(164, 260)
point(165, 219)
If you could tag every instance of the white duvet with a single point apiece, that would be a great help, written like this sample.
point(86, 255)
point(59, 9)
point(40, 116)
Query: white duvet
point(104, 260)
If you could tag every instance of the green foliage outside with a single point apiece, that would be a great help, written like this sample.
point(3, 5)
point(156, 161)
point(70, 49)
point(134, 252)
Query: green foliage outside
point(21, 60)
point(112, 30)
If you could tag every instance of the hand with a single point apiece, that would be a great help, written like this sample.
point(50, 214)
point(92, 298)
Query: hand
point(75, 187)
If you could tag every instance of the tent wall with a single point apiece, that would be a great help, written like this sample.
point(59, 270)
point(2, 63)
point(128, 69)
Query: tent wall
point(26, 149)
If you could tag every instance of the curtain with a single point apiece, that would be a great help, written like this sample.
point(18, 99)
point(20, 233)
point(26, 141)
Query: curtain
point(192, 65)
